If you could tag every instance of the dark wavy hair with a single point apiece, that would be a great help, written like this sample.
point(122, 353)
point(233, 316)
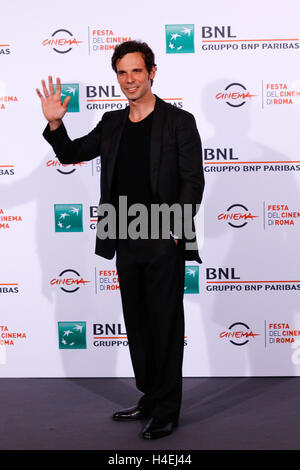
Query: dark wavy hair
point(128, 47)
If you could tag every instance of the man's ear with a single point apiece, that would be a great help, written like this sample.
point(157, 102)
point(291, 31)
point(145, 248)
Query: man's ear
point(152, 72)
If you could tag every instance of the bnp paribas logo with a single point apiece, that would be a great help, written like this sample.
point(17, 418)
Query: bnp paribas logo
point(70, 89)
point(191, 285)
point(72, 334)
point(180, 38)
point(68, 217)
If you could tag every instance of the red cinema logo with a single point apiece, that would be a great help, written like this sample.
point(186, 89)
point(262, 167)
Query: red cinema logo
point(69, 283)
point(237, 216)
point(62, 41)
point(238, 334)
point(235, 95)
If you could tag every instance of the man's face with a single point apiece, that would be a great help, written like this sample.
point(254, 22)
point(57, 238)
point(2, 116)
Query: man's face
point(133, 77)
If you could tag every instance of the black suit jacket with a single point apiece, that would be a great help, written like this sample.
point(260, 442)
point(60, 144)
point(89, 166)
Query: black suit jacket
point(176, 171)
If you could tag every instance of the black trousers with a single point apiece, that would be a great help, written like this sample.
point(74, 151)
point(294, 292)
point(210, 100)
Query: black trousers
point(151, 277)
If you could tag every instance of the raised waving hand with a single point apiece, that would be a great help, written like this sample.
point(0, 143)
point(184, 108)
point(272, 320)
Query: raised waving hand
point(53, 108)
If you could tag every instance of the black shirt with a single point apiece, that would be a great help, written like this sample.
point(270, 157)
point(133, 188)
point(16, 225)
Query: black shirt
point(132, 170)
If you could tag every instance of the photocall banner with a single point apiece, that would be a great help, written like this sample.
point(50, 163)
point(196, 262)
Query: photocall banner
point(237, 70)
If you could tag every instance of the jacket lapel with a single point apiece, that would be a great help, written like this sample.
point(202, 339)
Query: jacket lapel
point(115, 136)
point(155, 143)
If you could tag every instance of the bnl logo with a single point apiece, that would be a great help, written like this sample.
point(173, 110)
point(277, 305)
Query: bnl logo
point(179, 38)
point(68, 217)
point(72, 335)
point(217, 32)
point(191, 284)
point(72, 90)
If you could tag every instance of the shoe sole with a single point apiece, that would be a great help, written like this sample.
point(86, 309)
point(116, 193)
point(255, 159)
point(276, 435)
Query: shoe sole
point(150, 437)
point(129, 419)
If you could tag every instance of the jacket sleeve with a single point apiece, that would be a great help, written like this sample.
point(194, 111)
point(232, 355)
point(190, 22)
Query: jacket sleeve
point(74, 151)
point(190, 162)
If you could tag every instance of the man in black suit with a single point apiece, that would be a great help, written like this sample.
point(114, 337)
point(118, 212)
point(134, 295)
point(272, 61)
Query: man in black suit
point(151, 153)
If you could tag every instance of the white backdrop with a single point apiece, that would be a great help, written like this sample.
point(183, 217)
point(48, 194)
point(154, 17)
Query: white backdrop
point(236, 68)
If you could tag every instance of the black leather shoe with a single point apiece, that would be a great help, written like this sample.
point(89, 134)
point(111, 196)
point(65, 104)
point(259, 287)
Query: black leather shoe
point(156, 428)
point(131, 414)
